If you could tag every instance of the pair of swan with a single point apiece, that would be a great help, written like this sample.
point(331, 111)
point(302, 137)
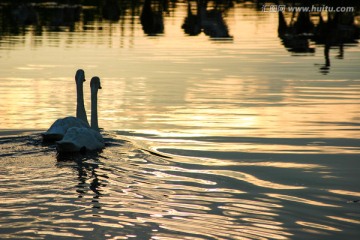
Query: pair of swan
point(74, 134)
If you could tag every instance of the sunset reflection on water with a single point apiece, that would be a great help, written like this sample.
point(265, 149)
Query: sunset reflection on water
point(244, 132)
point(206, 87)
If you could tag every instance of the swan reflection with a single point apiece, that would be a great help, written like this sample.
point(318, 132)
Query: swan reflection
point(90, 181)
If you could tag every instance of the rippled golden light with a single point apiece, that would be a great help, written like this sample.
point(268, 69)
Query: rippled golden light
point(300, 200)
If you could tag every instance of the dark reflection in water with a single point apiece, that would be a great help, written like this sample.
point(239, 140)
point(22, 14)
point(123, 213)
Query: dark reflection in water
point(63, 17)
point(338, 29)
point(209, 21)
point(298, 31)
point(152, 19)
point(294, 35)
point(87, 167)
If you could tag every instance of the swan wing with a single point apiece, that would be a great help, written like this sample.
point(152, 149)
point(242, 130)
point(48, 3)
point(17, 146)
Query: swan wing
point(59, 128)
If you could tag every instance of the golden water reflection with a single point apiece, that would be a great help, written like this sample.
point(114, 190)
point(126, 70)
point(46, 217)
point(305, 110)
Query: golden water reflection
point(143, 107)
point(127, 192)
point(345, 219)
point(205, 88)
point(317, 226)
point(301, 200)
point(207, 139)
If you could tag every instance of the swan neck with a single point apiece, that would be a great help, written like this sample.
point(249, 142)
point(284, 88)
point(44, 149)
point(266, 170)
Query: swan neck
point(80, 107)
point(94, 113)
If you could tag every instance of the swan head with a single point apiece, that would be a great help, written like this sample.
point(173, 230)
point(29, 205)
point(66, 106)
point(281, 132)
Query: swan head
point(95, 83)
point(80, 76)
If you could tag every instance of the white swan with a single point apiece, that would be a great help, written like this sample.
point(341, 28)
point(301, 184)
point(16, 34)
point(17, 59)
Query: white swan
point(58, 129)
point(79, 139)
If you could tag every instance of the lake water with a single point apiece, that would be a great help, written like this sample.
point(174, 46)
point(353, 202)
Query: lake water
point(234, 128)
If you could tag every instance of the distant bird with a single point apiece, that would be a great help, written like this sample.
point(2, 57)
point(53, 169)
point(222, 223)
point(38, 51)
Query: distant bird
point(58, 129)
point(78, 139)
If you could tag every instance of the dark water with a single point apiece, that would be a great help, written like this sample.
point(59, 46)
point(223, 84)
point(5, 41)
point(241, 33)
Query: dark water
point(128, 191)
point(242, 127)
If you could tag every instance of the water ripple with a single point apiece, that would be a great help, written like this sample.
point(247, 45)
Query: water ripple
point(128, 191)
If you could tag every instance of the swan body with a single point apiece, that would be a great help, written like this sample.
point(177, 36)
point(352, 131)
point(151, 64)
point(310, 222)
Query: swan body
point(58, 129)
point(79, 138)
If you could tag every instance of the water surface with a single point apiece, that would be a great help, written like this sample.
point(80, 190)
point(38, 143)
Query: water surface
point(244, 135)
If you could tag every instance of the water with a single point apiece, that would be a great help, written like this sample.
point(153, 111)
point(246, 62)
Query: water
point(235, 137)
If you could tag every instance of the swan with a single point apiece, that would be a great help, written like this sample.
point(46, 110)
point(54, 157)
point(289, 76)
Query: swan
point(58, 129)
point(78, 139)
